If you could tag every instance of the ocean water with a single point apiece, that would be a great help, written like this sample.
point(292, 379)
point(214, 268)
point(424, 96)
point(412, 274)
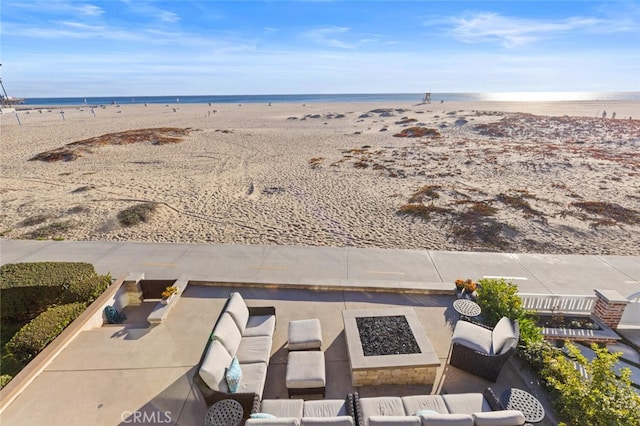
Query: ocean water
point(345, 97)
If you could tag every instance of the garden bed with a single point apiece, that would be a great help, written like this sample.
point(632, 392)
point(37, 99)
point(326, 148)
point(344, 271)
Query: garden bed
point(578, 328)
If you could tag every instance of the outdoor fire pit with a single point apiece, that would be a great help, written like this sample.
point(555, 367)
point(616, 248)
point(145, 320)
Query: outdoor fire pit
point(388, 346)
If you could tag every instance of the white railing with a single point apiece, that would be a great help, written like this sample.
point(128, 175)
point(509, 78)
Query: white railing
point(560, 303)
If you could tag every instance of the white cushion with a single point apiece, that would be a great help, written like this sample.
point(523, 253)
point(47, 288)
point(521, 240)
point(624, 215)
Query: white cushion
point(253, 378)
point(472, 336)
point(254, 349)
point(260, 325)
point(327, 421)
point(392, 421)
point(382, 406)
point(499, 418)
point(282, 407)
point(325, 408)
point(238, 310)
point(503, 333)
point(465, 403)
point(273, 422)
point(413, 404)
point(446, 420)
point(305, 334)
point(214, 366)
point(228, 333)
point(305, 370)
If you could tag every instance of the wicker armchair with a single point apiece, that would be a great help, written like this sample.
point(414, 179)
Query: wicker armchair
point(481, 350)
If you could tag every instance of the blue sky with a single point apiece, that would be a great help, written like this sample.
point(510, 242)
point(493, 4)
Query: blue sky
point(137, 47)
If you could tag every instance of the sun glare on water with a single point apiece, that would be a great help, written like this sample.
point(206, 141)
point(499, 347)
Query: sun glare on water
point(539, 96)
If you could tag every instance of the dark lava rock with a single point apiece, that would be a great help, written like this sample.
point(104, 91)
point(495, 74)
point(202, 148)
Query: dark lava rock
point(386, 336)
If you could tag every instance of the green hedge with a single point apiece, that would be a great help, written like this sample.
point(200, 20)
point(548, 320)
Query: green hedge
point(27, 289)
point(37, 334)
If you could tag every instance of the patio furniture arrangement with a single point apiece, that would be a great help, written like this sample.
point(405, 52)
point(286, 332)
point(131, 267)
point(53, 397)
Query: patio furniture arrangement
point(235, 359)
point(465, 409)
point(483, 351)
point(296, 412)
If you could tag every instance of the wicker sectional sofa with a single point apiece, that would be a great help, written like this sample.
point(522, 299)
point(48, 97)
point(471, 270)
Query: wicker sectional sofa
point(296, 412)
point(465, 409)
point(245, 333)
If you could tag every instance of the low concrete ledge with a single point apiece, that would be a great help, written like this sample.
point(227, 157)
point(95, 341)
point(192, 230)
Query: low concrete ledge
point(84, 321)
point(407, 287)
point(161, 310)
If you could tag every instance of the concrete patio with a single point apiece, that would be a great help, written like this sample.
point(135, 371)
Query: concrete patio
point(136, 373)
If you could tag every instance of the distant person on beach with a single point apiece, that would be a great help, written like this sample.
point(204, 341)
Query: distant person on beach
point(604, 114)
point(613, 116)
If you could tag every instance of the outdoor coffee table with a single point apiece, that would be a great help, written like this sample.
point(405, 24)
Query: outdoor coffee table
point(466, 308)
point(523, 401)
point(227, 412)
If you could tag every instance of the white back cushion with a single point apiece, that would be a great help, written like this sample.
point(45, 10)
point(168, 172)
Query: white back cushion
point(238, 310)
point(214, 367)
point(503, 333)
point(228, 333)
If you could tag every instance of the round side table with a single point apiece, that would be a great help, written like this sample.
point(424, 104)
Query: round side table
point(523, 401)
point(227, 412)
point(466, 308)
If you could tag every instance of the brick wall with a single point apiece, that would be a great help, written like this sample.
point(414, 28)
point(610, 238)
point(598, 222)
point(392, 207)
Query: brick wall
point(609, 307)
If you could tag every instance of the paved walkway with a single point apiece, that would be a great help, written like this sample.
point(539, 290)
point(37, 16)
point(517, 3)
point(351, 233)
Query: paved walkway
point(327, 267)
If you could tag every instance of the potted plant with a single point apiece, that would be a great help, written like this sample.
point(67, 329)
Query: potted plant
point(168, 293)
point(466, 288)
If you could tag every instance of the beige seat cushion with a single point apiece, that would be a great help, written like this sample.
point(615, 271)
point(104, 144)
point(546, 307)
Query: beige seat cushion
point(260, 325)
point(253, 378)
point(472, 336)
point(466, 403)
point(499, 418)
point(382, 406)
point(282, 407)
point(305, 370)
point(254, 349)
point(327, 421)
point(392, 421)
point(413, 404)
point(238, 310)
point(286, 421)
point(446, 420)
point(325, 408)
point(304, 334)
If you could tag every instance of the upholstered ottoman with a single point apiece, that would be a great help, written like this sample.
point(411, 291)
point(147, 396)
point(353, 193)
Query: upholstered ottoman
point(305, 334)
point(305, 373)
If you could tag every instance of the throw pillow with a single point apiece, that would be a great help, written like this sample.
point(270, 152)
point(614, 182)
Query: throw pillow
point(262, 416)
point(234, 375)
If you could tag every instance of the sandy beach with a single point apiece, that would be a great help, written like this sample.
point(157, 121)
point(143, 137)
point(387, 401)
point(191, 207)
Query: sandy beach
point(539, 177)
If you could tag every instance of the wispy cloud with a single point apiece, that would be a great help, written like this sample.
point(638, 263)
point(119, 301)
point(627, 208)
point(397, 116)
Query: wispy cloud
point(512, 32)
point(329, 37)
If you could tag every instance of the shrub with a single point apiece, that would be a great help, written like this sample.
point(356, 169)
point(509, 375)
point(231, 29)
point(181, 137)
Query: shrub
point(597, 398)
point(88, 289)
point(136, 214)
point(37, 334)
point(499, 298)
point(27, 289)
point(4, 380)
